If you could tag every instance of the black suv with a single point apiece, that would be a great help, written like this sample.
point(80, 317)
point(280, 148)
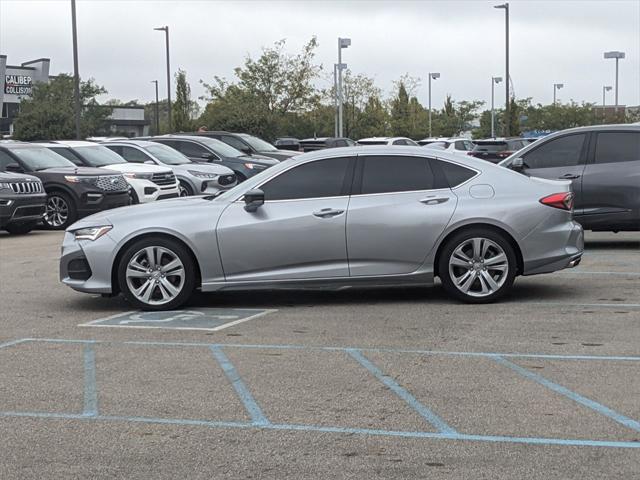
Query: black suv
point(205, 149)
point(22, 201)
point(247, 144)
point(495, 150)
point(72, 192)
point(603, 164)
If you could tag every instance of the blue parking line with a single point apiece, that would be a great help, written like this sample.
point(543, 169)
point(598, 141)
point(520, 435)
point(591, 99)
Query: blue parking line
point(390, 383)
point(576, 397)
point(255, 412)
point(90, 389)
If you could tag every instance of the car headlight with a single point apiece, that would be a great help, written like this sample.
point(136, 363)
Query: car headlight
point(92, 233)
point(254, 166)
point(79, 179)
point(140, 176)
point(5, 186)
point(202, 174)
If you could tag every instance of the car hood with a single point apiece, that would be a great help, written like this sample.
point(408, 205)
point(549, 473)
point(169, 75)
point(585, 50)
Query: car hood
point(203, 167)
point(165, 213)
point(136, 168)
point(260, 159)
point(80, 171)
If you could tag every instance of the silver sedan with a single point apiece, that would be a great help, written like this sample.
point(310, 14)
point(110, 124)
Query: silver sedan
point(365, 216)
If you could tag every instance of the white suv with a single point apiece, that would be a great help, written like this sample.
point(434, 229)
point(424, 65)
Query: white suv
point(459, 145)
point(148, 182)
point(387, 141)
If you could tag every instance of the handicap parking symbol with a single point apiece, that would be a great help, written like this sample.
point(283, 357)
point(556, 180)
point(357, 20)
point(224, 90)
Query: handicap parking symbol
point(210, 319)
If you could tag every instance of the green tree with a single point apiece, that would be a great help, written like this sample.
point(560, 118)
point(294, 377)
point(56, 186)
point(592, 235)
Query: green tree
point(49, 113)
point(184, 109)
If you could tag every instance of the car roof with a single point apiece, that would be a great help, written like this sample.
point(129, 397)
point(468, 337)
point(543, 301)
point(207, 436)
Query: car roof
point(14, 145)
point(172, 136)
point(75, 143)
point(51, 144)
point(139, 143)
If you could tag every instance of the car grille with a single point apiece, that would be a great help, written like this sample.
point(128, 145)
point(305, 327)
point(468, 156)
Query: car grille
point(31, 211)
point(111, 183)
point(163, 179)
point(27, 187)
point(226, 179)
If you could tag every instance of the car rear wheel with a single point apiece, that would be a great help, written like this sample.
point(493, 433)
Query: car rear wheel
point(477, 266)
point(60, 211)
point(157, 274)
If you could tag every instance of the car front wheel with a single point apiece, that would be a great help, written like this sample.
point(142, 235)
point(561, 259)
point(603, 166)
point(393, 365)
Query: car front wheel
point(157, 274)
point(60, 211)
point(477, 266)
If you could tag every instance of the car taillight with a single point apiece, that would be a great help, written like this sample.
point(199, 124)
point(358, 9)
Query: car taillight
point(563, 201)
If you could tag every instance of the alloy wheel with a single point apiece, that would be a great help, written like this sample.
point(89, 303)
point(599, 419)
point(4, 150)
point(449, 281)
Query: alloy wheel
point(478, 267)
point(155, 275)
point(56, 212)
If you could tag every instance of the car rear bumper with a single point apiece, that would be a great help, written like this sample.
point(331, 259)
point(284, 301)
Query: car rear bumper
point(564, 245)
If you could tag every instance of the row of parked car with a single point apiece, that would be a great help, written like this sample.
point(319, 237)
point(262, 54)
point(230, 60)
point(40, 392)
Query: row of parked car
point(61, 181)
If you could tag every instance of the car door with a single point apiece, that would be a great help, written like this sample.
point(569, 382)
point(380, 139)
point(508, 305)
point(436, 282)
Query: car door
point(299, 231)
point(611, 179)
point(560, 158)
point(396, 213)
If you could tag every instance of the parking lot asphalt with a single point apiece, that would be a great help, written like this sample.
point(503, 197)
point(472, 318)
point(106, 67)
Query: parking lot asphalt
point(390, 383)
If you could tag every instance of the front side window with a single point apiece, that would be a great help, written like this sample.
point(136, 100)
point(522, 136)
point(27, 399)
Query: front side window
point(614, 147)
point(384, 174)
point(234, 142)
point(134, 155)
point(560, 152)
point(167, 155)
point(68, 154)
point(322, 178)
point(191, 149)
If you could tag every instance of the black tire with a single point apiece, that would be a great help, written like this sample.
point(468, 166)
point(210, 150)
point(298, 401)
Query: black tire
point(20, 228)
point(240, 177)
point(50, 220)
point(134, 197)
point(185, 189)
point(458, 240)
point(177, 249)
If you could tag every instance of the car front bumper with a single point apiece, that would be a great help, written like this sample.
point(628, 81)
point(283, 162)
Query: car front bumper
point(20, 209)
point(85, 265)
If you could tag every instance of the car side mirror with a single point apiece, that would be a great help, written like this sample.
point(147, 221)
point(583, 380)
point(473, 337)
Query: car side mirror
point(253, 199)
point(208, 156)
point(246, 150)
point(517, 164)
point(14, 167)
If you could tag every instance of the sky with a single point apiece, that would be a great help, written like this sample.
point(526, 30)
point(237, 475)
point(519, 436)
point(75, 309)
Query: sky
point(552, 41)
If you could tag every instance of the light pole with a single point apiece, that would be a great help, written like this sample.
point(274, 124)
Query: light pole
point(556, 87)
point(342, 43)
point(165, 29)
point(335, 99)
point(494, 82)
point(507, 123)
point(433, 76)
point(76, 74)
point(605, 89)
point(617, 56)
point(157, 109)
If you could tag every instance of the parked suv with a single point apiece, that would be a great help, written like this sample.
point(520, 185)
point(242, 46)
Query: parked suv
point(495, 150)
point(387, 141)
point(247, 144)
point(205, 149)
point(602, 162)
point(195, 178)
point(148, 182)
point(320, 143)
point(459, 146)
point(22, 201)
point(72, 192)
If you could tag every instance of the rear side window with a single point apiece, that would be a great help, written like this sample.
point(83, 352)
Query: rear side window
point(560, 152)
point(323, 178)
point(614, 147)
point(453, 173)
point(384, 174)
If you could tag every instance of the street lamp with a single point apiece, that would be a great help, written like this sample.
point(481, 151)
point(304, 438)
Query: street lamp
point(617, 56)
point(342, 43)
point(433, 76)
point(507, 123)
point(605, 89)
point(165, 29)
point(556, 87)
point(157, 109)
point(494, 82)
point(76, 74)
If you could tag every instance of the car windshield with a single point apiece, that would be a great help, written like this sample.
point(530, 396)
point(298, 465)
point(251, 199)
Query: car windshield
point(99, 156)
point(220, 147)
point(490, 146)
point(167, 155)
point(257, 143)
point(41, 158)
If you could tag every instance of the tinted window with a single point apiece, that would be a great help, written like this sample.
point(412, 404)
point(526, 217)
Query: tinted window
point(323, 178)
point(399, 142)
point(395, 174)
point(341, 143)
point(134, 155)
point(115, 148)
point(68, 154)
point(234, 142)
point(191, 149)
point(617, 147)
point(560, 152)
point(5, 160)
point(490, 146)
point(459, 145)
point(454, 174)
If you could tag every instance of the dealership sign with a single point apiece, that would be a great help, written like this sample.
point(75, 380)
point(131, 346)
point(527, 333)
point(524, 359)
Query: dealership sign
point(17, 84)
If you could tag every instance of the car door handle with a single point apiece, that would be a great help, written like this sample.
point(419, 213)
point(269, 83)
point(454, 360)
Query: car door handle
point(434, 200)
point(569, 176)
point(328, 212)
